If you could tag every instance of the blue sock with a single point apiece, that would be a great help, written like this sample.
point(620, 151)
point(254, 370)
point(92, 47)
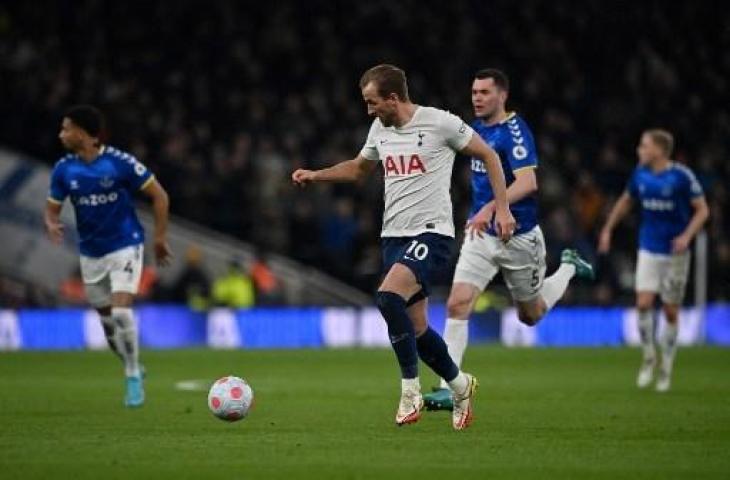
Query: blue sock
point(433, 351)
point(400, 330)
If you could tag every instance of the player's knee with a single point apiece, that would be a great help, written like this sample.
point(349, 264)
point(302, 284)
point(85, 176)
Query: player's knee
point(529, 318)
point(457, 306)
point(122, 299)
point(671, 312)
point(644, 301)
point(643, 304)
point(389, 303)
point(531, 315)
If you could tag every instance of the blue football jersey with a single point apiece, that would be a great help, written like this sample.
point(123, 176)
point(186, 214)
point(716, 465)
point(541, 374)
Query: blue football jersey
point(513, 142)
point(666, 209)
point(101, 193)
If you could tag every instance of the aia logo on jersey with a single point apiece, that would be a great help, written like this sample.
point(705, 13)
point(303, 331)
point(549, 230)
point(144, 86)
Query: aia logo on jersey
point(401, 165)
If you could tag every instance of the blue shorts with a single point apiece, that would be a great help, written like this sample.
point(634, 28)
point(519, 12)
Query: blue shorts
point(427, 255)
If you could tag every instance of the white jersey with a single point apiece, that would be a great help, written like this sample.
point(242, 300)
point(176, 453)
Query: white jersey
point(418, 158)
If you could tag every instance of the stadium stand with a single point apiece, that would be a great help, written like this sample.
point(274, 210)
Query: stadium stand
point(34, 268)
point(235, 96)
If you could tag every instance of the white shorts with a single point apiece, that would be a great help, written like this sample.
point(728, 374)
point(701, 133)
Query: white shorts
point(118, 271)
point(663, 274)
point(521, 260)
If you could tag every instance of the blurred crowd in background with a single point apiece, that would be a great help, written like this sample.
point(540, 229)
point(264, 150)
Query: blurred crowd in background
point(222, 100)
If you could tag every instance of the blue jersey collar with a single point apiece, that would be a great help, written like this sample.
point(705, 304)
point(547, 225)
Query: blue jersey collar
point(510, 116)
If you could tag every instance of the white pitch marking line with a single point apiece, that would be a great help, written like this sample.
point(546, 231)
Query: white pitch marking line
point(195, 385)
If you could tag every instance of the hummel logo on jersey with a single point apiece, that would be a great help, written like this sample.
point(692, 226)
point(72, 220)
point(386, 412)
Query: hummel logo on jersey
point(74, 185)
point(106, 182)
point(399, 165)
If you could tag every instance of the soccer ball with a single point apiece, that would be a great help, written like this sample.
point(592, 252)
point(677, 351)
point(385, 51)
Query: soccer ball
point(230, 398)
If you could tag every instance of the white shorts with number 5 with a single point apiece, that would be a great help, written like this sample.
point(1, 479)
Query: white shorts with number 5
point(663, 274)
point(118, 271)
point(521, 260)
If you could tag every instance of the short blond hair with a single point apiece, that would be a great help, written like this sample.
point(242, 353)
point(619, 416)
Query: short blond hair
point(663, 139)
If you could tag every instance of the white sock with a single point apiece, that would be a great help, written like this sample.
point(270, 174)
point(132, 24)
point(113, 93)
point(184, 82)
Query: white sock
point(456, 336)
point(127, 342)
point(555, 285)
point(668, 345)
point(646, 332)
point(459, 384)
point(110, 332)
point(410, 385)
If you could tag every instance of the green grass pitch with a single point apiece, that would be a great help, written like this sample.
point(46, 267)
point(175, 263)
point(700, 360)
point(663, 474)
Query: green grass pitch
point(540, 413)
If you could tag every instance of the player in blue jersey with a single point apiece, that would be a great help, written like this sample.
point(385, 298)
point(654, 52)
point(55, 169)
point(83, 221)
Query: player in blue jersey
point(100, 182)
point(673, 210)
point(522, 259)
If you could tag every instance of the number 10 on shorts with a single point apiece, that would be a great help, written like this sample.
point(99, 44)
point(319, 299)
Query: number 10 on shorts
point(417, 250)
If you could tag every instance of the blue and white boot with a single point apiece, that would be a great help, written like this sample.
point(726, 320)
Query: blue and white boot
point(135, 392)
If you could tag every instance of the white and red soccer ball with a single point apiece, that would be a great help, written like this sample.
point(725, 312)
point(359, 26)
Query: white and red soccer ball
point(230, 398)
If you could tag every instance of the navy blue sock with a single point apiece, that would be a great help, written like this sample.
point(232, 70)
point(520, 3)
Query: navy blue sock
point(433, 351)
point(400, 330)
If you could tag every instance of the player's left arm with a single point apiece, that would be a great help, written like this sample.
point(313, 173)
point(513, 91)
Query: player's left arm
point(701, 213)
point(161, 208)
point(504, 221)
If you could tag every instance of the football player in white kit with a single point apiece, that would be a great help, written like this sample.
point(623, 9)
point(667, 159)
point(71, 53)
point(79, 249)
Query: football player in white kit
point(673, 210)
point(416, 146)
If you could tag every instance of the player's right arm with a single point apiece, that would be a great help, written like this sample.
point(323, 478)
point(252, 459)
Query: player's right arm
point(504, 222)
point(521, 155)
point(618, 212)
point(56, 195)
point(525, 184)
point(52, 220)
point(347, 171)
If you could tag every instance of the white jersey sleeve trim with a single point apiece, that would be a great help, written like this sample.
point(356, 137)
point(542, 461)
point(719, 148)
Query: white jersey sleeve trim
point(694, 185)
point(370, 150)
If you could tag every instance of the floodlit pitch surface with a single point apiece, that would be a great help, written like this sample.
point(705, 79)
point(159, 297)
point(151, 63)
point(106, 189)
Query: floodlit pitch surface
point(540, 413)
